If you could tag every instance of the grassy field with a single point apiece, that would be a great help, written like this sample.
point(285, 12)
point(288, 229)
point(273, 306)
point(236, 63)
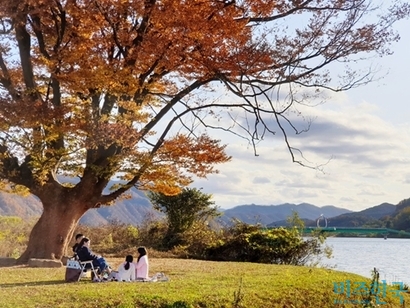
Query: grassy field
point(192, 283)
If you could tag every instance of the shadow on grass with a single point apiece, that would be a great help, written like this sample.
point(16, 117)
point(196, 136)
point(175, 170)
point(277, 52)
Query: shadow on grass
point(32, 283)
point(12, 265)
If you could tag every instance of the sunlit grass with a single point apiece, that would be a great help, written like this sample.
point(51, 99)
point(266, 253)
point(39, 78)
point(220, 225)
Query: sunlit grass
point(192, 283)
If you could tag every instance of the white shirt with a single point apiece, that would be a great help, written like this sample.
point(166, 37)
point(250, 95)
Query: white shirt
point(126, 275)
point(142, 267)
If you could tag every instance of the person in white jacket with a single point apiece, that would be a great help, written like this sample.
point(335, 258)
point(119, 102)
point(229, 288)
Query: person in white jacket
point(126, 271)
point(142, 266)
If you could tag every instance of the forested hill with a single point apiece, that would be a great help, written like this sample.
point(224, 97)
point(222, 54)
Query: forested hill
point(137, 207)
point(374, 216)
point(270, 214)
point(385, 215)
point(132, 210)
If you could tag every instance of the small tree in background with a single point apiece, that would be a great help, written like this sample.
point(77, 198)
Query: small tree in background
point(295, 221)
point(182, 211)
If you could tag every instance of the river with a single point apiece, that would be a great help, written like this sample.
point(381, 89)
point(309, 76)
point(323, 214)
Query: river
point(361, 255)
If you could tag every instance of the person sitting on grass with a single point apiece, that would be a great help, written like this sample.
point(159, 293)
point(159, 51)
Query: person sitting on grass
point(84, 253)
point(142, 266)
point(126, 271)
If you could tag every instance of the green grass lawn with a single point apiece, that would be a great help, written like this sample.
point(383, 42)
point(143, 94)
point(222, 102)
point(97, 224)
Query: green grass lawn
point(192, 283)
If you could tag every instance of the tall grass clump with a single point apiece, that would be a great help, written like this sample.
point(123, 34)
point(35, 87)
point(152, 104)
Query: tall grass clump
point(14, 234)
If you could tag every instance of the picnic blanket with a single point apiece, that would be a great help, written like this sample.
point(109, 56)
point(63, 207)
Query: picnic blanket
point(158, 277)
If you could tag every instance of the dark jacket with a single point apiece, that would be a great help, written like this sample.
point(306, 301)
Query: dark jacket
point(76, 247)
point(85, 254)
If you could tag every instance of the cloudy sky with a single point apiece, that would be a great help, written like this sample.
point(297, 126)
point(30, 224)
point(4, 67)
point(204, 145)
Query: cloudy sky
point(361, 136)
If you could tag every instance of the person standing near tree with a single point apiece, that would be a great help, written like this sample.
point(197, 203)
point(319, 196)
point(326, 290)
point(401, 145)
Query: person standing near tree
point(142, 266)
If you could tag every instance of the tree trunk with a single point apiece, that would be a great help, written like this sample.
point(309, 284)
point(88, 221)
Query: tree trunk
point(53, 232)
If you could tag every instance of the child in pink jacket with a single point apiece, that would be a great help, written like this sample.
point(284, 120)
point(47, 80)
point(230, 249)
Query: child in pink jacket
point(142, 265)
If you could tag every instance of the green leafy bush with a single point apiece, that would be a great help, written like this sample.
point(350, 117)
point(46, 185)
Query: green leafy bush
point(196, 241)
point(252, 243)
point(152, 234)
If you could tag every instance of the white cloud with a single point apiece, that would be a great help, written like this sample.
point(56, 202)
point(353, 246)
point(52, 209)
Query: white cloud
point(368, 164)
point(406, 178)
point(260, 180)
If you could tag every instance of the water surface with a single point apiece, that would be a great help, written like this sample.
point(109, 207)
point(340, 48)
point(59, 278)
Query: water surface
point(361, 255)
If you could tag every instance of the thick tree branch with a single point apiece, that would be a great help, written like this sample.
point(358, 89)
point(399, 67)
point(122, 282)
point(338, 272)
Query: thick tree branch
point(112, 196)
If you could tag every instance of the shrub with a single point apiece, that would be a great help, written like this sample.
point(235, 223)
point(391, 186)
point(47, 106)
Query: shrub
point(14, 234)
point(252, 243)
point(196, 241)
point(152, 234)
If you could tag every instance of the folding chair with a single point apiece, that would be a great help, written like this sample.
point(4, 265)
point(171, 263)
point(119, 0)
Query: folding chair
point(88, 265)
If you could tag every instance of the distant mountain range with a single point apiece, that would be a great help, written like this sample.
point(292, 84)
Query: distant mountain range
point(137, 208)
point(358, 219)
point(269, 214)
point(133, 210)
point(371, 216)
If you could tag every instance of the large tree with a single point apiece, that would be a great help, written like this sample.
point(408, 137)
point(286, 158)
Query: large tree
point(103, 89)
